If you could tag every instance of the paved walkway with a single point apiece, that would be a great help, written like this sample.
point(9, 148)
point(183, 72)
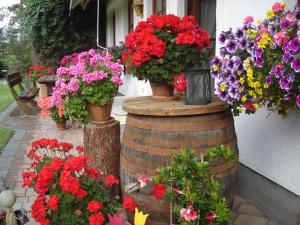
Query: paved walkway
point(29, 128)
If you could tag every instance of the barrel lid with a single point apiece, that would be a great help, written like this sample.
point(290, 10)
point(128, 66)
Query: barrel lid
point(149, 106)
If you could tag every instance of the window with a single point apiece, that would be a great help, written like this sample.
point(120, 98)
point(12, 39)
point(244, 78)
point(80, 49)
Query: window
point(114, 26)
point(130, 15)
point(159, 7)
point(205, 14)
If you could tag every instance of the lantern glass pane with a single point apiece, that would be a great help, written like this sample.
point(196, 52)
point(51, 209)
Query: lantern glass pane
point(198, 87)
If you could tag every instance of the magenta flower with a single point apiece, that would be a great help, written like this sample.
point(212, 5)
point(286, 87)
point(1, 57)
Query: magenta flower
point(117, 80)
point(248, 20)
point(296, 65)
point(298, 101)
point(188, 214)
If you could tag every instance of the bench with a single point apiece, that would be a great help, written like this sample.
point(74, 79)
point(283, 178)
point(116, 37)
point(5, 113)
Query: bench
point(25, 99)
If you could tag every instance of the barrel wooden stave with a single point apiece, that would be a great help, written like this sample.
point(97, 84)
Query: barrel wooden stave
point(148, 142)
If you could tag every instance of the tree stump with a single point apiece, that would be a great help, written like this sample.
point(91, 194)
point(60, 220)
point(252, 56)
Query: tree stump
point(102, 145)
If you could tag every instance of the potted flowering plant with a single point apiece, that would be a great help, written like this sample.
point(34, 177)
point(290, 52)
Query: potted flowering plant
point(259, 64)
point(68, 191)
point(88, 94)
point(57, 112)
point(195, 195)
point(37, 71)
point(162, 47)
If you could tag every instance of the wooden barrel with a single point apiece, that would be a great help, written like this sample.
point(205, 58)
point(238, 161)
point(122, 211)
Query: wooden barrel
point(154, 130)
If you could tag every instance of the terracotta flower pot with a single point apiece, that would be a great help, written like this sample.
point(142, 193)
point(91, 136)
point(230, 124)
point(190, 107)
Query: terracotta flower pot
point(163, 91)
point(61, 125)
point(100, 113)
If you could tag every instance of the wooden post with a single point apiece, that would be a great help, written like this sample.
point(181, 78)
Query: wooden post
point(102, 145)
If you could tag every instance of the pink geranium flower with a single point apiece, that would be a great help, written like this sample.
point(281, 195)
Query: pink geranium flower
point(277, 7)
point(188, 214)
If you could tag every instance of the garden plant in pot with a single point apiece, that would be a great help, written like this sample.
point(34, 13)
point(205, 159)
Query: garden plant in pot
point(94, 82)
point(162, 47)
point(57, 112)
point(259, 63)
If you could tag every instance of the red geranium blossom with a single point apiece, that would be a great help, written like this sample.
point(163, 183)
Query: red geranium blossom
point(129, 203)
point(96, 219)
point(158, 191)
point(249, 106)
point(94, 206)
point(111, 180)
point(180, 83)
point(53, 202)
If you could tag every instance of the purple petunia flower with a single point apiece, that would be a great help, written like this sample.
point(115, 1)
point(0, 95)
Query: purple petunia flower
point(293, 44)
point(296, 65)
point(278, 70)
point(222, 51)
point(284, 84)
point(259, 62)
point(215, 61)
point(269, 80)
point(288, 96)
point(285, 24)
point(258, 52)
point(231, 46)
point(286, 57)
point(291, 77)
point(222, 38)
point(239, 33)
point(242, 43)
point(298, 101)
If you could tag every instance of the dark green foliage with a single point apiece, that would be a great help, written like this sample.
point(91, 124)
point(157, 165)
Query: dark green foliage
point(56, 33)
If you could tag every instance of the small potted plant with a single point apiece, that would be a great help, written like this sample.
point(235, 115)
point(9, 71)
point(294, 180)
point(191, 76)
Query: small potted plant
point(93, 84)
point(37, 71)
point(163, 47)
point(57, 112)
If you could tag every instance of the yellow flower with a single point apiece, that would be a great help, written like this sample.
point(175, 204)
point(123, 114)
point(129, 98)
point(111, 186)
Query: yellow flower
point(240, 109)
point(258, 22)
point(264, 41)
point(256, 105)
point(284, 4)
point(256, 84)
point(215, 68)
point(251, 93)
point(223, 87)
point(239, 73)
point(270, 14)
point(247, 63)
point(139, 217)
point(243, 99)
point(266, 85)
point(242, 80)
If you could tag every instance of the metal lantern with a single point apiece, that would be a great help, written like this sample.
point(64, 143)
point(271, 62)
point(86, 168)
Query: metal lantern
point(198, 90)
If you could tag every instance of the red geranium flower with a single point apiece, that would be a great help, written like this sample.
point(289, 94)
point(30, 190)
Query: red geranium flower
point(93, 172)
point(57, 164)
point(210, 217)
point(53, 202)
point(94, 206)
point(129, 203)
point(180, 82)
point(249, 106)
point(158, 191)
point(96, 219)
point(111, 180)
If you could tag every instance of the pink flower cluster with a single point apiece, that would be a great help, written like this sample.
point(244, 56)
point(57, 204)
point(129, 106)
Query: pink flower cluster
point(85, 67)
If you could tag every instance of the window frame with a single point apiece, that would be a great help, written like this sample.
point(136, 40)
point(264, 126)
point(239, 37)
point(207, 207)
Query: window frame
point(163, 6)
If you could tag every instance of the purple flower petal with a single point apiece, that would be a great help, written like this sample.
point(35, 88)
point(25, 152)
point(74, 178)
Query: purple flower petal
point(231, 46)
point(284, 84)
point(296, 65)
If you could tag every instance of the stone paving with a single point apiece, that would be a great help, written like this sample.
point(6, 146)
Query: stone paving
point(33, 127)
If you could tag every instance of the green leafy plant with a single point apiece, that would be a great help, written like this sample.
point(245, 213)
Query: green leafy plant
point(195, 194)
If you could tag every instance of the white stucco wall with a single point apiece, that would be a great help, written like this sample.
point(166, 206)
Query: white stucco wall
point(132, 86)
point(270, 146)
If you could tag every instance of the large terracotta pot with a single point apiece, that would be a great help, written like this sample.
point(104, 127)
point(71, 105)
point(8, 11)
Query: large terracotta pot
point(61, 125)
point(162, 91)
point(100, 113)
